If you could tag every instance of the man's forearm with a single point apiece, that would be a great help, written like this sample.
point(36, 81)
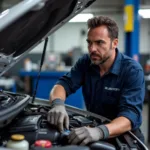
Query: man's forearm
point(57, 91)
point(118, 126)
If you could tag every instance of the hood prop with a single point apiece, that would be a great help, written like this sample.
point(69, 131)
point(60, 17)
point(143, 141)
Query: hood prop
point(41, 64)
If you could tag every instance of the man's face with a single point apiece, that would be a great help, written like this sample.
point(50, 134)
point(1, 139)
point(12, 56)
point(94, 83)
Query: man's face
point(100, 46)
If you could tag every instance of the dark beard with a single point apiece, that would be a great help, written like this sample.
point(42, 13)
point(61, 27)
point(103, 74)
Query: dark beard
point(102, 62)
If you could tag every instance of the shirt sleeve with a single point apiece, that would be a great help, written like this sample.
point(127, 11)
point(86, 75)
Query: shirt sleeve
point(132, 97)
point(73, 80)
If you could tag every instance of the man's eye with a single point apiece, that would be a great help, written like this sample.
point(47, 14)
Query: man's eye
point(99, 42)
point(89, 43)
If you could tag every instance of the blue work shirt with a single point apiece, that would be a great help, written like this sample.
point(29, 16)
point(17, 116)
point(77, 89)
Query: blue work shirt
point(119, 92)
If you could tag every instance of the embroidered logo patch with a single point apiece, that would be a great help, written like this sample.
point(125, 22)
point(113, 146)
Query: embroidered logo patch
point(111, 89)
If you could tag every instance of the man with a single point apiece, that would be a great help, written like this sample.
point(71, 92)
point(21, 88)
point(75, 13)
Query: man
point(112, 84)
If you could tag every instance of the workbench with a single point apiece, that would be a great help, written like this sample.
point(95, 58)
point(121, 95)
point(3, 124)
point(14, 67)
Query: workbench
point(47, 81)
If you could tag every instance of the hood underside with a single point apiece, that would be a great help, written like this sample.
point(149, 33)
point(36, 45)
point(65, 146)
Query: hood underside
point(25, 25)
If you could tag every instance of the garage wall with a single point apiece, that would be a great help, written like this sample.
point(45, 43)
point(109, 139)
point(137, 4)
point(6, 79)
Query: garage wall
point(145, 36)
point(69, 36)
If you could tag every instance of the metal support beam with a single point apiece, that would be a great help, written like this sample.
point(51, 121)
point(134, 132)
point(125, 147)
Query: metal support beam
point(131, 28)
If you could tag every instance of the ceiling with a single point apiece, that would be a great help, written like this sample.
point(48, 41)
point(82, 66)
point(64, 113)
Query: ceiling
point(111, 6)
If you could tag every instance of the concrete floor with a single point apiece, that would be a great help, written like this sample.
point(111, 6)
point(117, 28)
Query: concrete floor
point(144, 126)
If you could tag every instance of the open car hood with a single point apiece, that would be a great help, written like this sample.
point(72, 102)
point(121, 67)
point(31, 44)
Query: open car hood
point(29, 22)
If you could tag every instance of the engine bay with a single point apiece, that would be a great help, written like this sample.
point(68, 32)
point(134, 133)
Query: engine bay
point(32, 122)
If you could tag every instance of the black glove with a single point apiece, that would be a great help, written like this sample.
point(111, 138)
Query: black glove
point(58, 115)
point(85, 135)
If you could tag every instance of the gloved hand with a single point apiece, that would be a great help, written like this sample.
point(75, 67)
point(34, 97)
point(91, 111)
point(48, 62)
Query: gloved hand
point(59, 117)
point(85, 135)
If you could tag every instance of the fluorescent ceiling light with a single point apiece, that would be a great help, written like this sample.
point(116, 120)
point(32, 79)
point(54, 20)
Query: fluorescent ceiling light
point(81, 18)
point(144, 13)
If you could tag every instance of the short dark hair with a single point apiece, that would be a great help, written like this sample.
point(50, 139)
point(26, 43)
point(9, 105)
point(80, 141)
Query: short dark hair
point(110, 24)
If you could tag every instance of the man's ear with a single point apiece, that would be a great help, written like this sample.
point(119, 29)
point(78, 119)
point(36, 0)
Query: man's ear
point(115, 43)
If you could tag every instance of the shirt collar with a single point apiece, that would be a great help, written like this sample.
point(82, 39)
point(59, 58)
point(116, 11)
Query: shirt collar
point(115, 69)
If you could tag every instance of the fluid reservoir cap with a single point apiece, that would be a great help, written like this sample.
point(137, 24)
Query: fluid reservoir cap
point(43, 143)
point(17, 137)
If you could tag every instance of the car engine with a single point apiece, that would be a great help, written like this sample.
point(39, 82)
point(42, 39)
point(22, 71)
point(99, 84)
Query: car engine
point(30, 120)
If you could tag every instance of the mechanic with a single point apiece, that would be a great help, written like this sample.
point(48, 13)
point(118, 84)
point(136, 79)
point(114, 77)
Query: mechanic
point(112, 84)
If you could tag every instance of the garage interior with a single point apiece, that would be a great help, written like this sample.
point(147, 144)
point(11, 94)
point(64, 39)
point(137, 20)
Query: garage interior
point(68, 43)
